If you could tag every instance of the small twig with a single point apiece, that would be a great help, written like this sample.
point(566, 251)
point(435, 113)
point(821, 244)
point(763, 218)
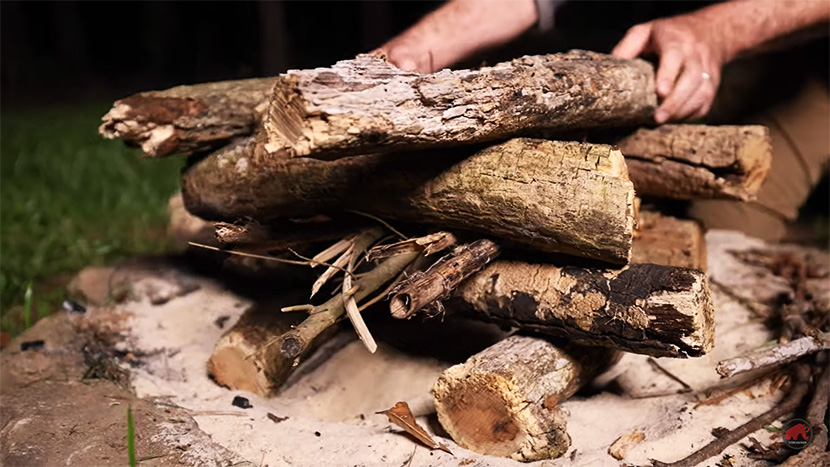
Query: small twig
point(774, 356)
point(331, 252)
point(379, 220)
point(798, 390)
point(429, 244)
point(338, 265)
point(288, 309)
point(658, 367)
point(728, 393)
point(250, 255)
point(361, 244)
point(313, 263)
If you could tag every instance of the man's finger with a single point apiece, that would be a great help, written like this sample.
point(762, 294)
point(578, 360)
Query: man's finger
point(701, 99)
point(634, 43)
point(670, 62)
point(687, 84)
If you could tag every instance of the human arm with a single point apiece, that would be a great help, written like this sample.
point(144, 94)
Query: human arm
point(693, 47)
point(457, 30)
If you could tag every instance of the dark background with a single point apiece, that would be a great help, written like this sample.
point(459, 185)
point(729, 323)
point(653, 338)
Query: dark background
point(71, 50)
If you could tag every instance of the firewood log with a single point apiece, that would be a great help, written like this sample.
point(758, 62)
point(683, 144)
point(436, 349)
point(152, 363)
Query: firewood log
point(188, 119)
point(669, 241)
point(698, 161)
point(646, 308)
point(368, 105)
point(504, 400)
point(566, 197)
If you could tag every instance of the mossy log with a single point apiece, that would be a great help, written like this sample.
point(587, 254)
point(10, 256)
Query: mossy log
point(646, 308)
point(566, 197)
point(669, 241)
point(188, 119)
point(698, 161)
point(504, 400)
point(367, 105)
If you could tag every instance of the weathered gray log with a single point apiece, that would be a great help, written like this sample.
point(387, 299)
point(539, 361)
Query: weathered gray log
point(566, 197)
point(669, 241)
point(646, 308)
point(367, 105)
point(698, 161)
point(504, 400)
point(188, 119)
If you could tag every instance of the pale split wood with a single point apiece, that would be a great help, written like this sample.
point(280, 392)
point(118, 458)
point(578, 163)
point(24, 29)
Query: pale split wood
point(367, 104)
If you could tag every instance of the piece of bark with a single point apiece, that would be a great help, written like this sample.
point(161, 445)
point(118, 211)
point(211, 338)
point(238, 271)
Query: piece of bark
point(698, 161)
point(367, 104)
point(553, 196)
point(669, 241)
point(427, 244)
point(247, 357)
point(651, 309)
point(188, 119)
point(441, 278)
point(504, 400)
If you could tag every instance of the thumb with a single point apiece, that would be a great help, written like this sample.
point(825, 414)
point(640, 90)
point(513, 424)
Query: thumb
point(634, 43)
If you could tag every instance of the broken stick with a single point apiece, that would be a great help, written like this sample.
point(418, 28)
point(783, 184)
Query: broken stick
point(368, 105)
point(656, 310)
point(441, 278)
point(778, 355)
point(188, 119)
point(698, 161)
point(504, 400)
point(513, 190)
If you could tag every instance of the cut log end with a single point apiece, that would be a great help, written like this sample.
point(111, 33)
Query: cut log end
point(232, 368)
point(399, 305)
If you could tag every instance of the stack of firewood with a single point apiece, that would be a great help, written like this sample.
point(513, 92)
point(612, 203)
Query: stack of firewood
point(517, 218)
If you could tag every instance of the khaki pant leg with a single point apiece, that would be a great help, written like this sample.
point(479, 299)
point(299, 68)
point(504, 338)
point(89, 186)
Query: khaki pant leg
point(800, 134)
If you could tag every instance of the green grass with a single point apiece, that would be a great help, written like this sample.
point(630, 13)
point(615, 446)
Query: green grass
point(130, 436)
point(68, 199)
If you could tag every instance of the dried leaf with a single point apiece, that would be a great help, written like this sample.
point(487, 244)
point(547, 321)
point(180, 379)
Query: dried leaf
point(624, 443)
point(401, 415)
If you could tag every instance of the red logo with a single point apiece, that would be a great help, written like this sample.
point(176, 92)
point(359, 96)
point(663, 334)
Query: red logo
point(797, 434)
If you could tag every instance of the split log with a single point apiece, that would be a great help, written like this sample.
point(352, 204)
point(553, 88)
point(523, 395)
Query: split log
point(504, 400)
point(669, 241)
point(698, 161)
point(566, 197)
point(646, 308)
point(367, 105)
point(188, 119)
point(441, 278)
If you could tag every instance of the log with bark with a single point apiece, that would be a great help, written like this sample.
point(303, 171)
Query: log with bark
point(368, 105)
point(646, 308)
point(698, 161)
point(188, 119)
point(552, 196)
point(666, 240)
point(504, 400)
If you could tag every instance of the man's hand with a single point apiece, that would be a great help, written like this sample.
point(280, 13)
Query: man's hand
point(457, 30)
point(690, 63)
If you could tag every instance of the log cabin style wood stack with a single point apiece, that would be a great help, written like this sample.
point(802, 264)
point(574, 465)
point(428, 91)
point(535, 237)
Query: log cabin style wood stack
point(517, 221)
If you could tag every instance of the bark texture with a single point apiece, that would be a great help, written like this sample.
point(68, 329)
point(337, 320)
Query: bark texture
point(566, 197)
point(248, 358)
point(441, 278)
point(188, 119)
point(668, 241)
point(646, 308)
point(698, 161)
point(504, 400)
point(366, 104)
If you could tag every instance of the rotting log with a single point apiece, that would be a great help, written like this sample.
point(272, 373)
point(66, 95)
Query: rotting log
point(552, 196)
point(651, 309)
point(438, 282)
point(188, 119)
point(669, 241)
point(504, 400)
point(368, 105)
point(698, 161)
